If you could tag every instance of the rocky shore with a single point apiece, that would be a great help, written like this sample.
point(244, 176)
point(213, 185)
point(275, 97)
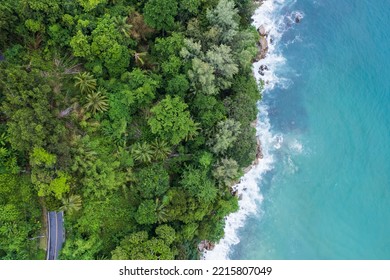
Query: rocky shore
point(262, 44)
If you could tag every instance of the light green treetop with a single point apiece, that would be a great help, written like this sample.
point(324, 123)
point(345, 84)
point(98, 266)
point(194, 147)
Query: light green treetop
point(171, 120)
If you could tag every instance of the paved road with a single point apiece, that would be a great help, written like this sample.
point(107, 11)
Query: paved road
point(55, 224)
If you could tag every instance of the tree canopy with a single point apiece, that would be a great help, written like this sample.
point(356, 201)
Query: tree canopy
point(132, 117)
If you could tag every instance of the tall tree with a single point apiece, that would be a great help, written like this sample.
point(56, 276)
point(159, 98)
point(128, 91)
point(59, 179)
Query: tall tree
point(171, 120)
point(85, 82)
point(161, 149)
point(142, 152)
point(224, 17)
point(202, 77)
point(96, 102)
point(71, 204)
point(160, 14)
point(225, 67)
point(123, 26)
point(226, 134)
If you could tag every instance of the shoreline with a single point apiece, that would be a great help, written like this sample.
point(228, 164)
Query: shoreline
point(270, 25)
point(262, 45)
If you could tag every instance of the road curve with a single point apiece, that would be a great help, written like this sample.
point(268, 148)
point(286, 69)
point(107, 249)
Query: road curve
point(55, 233)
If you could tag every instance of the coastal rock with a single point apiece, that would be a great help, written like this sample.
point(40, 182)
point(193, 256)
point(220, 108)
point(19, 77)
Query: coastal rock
point(262, 69)
point(259, 152)
point(298, 17)
point(262, 31)
point(263, 48)
point(206, 245)
point(254, 123)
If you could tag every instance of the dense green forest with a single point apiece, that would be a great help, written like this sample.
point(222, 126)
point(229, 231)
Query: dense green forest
point(132, 116)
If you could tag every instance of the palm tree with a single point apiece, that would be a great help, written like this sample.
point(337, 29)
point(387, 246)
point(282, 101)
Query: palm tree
point(122, 26)
point(161, 211)
point(161, 149)
point(96, 102)
point(194, 130)
point(85, 82)
point(3, 152)
point(142, 152)
point(72, 204)
point(3, 139)
point(138, 57)
point(130, 179)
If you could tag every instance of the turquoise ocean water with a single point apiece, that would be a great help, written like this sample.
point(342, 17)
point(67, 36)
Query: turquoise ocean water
point(325, 130)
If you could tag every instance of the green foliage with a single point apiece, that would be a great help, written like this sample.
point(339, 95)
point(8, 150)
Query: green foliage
point(224, 19)
point(89, 5)
point(132, 117)
point(226, 172)
point(85, 82)
point(59, 186)
point(246, 9)
point(178, 85)
point(80, 45)
point(98, 172)
point(206, 159)
point(47, 180)
point(202, 77)
point(81, 248)
point(141, 88)
point(152, 181)
point(96, 102)
point(225, 135)
point(242, 105)
point(146, 213)
point(122, 26)
point(244, 151)
point(197, 183)
point(33, 25)
point(19, 218)
point(28, 105)
point(208, 110)
point(160, 149)
point(108, 46)
point(190, 6)
point(160, 14)
point(165, 47)
point(142, 152)
point(171, 120)
point(166, 233)
point(40, 157)
point(71, 204)
point(137, 246)
point(220, 58)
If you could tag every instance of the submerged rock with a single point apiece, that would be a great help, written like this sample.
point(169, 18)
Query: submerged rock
point(262, 69)
point(298, 17)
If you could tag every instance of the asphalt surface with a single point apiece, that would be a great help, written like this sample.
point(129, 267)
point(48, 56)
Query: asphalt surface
point(55, 224)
